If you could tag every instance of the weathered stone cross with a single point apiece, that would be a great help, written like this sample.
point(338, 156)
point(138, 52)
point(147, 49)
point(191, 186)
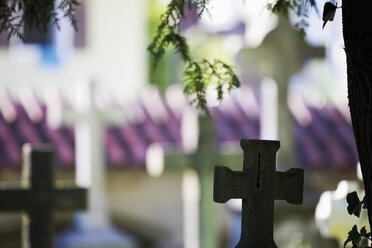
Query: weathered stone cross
point(258, 185)
point(38, 197)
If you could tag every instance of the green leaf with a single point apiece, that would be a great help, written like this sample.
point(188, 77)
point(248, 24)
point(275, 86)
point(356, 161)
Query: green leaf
point(354, 204)
point(329, 12)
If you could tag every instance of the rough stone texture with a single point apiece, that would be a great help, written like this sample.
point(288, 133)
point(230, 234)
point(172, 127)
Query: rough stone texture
point(258, 185)
point(38, 197)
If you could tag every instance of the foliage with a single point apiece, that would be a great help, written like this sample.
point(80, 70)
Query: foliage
point(354, 204)
point(329, 12)
point(354, 207)
point(300, 8)
point(16, 15)
point(198, 75)
point(161, 76)
point(355, 237)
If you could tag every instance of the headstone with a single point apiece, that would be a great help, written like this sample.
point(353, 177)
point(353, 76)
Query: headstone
point(281, 54)
point(200, 152)
point(92, 228)
point(258, 185)
point(38, 197)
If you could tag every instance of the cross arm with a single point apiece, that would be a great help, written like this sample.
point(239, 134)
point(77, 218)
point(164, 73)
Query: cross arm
point(229, 184)
point(289, 185)
point(70, 198)
point(177, 161)
point(13, 199)
point(158, 160)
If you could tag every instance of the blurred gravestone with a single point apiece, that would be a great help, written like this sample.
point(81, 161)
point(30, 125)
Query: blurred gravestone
point(91, 228)
point(281, 54)
point(38, 197)
point(200, 224)
point(258, 185)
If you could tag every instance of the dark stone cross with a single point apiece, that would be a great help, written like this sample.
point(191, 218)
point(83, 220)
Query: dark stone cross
point(258, 185)
point(38, 197)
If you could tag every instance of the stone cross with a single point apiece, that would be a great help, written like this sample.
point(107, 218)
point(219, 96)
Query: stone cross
point(281, 54)
point(258, 185)
point(200, 158)
point(89, 148)
point(38, 197)
point(89, 122)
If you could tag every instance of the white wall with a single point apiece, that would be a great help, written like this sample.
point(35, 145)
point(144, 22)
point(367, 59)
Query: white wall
point(115, 52)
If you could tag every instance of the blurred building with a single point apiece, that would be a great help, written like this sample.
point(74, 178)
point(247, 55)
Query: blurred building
point(109, 46)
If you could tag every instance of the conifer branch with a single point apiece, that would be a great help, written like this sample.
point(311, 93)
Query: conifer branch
point(300, 8)
point(17, 15)
point(198, 75)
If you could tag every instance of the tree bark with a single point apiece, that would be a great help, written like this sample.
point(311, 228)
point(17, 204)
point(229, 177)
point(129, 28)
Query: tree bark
point(357, 30)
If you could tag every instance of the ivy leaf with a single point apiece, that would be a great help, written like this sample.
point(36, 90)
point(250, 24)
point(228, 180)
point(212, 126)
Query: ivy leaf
point(363, 231)
point(353, 237)
point(328, 12)
point(354, 204)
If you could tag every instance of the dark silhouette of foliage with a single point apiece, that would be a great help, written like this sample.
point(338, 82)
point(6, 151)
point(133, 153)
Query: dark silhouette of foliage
point(354, 204)
point(354, 208)
point(329, 12)
point(16, 15)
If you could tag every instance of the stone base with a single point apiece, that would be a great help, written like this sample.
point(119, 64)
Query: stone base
point(78, 237)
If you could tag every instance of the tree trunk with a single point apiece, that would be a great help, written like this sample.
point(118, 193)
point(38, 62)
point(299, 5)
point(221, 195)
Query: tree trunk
point(357, 29)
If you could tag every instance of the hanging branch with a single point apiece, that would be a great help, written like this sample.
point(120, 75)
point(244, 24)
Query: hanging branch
point(198, 75)
point(15, 15)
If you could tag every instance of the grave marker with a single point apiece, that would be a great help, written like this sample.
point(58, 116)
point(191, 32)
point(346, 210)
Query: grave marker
point(281, 54)
point(38, 197)
point(258, 185)
point(89, 122)
point(199, 155)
